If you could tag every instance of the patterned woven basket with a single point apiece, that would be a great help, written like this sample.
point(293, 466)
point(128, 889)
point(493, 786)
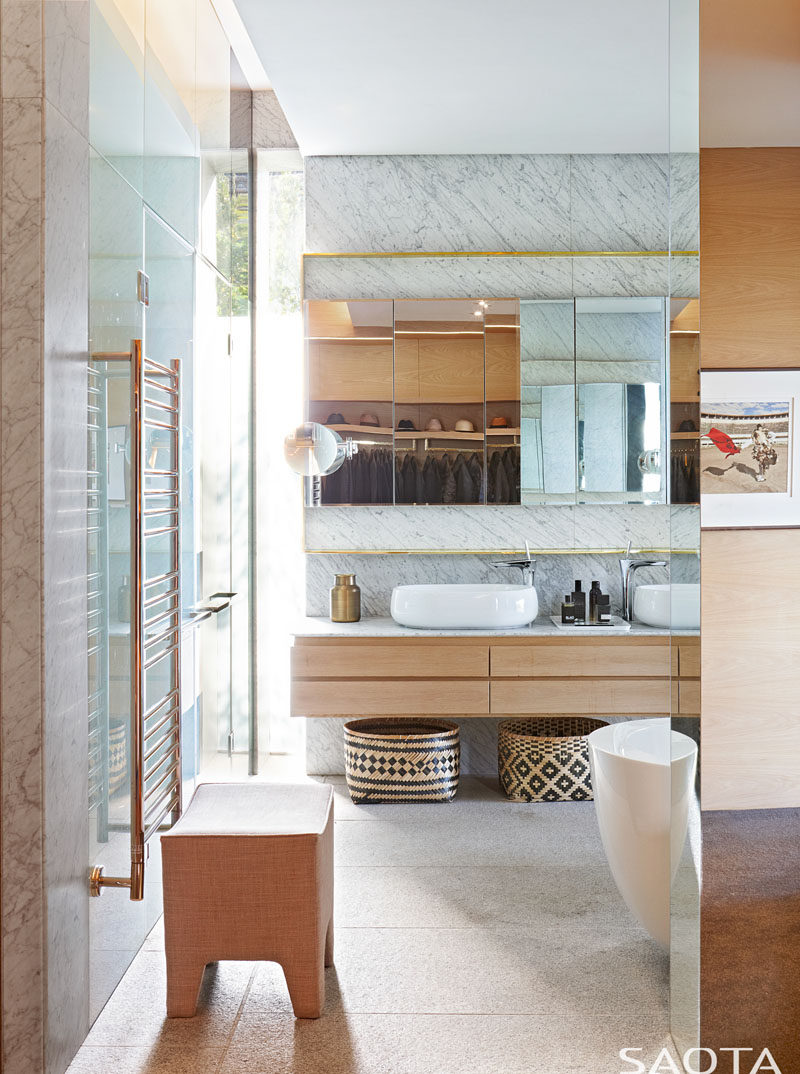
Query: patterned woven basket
point(546, 759)
point(408, 760)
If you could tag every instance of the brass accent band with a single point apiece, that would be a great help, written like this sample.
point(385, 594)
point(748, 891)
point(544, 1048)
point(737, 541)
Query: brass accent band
point(509, 253)
point(495, 551)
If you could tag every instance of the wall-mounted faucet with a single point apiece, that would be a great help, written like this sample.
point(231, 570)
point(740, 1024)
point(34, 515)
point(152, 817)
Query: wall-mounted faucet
point(527, 565)
point(628, 568)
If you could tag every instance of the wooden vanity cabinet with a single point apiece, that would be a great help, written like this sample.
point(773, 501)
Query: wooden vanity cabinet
point(495, 676)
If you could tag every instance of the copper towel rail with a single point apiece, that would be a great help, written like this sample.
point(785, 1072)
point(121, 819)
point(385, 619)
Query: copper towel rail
point(155, 659)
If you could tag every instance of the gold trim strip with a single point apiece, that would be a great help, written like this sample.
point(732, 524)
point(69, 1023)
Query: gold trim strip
point(495, 551)
point(511, 253)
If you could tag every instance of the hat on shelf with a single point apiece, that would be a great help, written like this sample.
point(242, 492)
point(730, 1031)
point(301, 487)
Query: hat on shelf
point(499, 423)
point(464, 425)
point(335, 419)
point(406, 425)
point(434, 426)
point(369, 419)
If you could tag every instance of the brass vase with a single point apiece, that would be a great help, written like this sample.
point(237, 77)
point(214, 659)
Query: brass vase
point(345, 600)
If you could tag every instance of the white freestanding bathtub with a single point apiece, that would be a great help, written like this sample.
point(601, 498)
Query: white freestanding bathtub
point(643, 780)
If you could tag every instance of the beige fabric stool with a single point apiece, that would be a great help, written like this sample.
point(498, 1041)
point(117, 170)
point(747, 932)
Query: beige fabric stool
point(248, 874)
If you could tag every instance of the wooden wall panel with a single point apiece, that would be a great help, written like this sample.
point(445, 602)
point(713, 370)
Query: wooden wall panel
point(749, 263)
point(751, 669)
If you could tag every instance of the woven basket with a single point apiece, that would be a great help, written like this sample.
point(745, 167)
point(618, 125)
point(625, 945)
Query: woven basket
point(546, 759)
point(408, 760)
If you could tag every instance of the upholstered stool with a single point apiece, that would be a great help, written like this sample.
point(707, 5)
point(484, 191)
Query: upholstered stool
point(248, 874)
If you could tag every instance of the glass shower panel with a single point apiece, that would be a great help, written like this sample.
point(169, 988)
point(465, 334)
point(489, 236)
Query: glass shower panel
point(116, 84)
point(117, 926)
point(169, 331)
point(242, 687)
point(215, 503)
point(213, 129)
point(171, 165)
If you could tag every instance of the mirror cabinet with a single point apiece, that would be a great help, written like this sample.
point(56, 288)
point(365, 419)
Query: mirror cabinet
point(506, 401)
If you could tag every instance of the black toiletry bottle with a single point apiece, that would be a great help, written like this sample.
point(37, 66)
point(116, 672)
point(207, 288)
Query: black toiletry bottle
point(604, 609)
point(579, 600)
point(568, 610)
point(594, 593)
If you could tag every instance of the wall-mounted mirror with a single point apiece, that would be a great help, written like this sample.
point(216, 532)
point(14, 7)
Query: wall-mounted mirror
point(350, 383)
point(620, 373)
point(502, 401)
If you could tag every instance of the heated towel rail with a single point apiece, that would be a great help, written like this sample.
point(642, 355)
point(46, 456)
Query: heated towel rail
point(155, 608)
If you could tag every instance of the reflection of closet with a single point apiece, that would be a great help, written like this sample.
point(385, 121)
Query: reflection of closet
point(402, 365)
point(684, 359)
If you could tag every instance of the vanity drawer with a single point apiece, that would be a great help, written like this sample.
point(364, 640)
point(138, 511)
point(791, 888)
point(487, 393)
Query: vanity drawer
point(590, 659)
point(337, 697)
point(686, 697)
point(600, 697)
point(357, 660)
point(688, 660)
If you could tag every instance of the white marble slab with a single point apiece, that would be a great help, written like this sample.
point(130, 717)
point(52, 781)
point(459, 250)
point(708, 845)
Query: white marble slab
point(684, 277)
point(620, 277)
point(470, 529)
point(436, 277)
point(447, 202)
point(271, 129)
point(684, 201)
point(66, 816)
point(385, 627)
point(555, 576)
point(619, 201)
point(241, 114)
point(66, 60)
point(494, 529)
point(685, 527)
point(21, 644)
point(21, 48)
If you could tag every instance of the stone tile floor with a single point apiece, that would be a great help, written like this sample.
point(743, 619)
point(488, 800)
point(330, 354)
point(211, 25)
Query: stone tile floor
point(474, 937)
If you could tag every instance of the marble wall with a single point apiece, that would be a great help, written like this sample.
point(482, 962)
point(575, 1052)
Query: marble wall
point(66, 302)
point(497, 529)
point(555, 576)
point(589, 202)
point(593, 222)
point(21, 583)
point(43, 725)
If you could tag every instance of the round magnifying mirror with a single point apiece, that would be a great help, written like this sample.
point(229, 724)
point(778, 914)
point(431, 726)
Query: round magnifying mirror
point(313, 450)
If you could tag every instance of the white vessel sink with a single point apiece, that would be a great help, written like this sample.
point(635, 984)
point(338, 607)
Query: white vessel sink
point(464, 607)
point(675, 607)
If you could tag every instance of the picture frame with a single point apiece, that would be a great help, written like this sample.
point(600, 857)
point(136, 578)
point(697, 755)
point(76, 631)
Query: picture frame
point(749, 449)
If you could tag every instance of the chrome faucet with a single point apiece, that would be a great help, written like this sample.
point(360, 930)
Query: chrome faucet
point(527, 565)
point(628, 568)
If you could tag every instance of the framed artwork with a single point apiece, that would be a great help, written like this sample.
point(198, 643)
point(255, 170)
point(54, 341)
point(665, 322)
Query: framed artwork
point(749, 449)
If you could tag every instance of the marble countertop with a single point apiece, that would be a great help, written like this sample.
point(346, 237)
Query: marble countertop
point(318, 626)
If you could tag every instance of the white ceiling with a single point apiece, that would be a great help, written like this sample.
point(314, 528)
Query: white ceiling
point(459, 76)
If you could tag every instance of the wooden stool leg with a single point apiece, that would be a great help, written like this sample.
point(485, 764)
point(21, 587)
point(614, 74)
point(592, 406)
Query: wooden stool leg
point(184, 980)
point(329, 944)
point(305, 978)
